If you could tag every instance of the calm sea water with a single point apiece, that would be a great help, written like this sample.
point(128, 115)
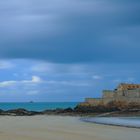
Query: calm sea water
point(119, 121)
point(38, 106)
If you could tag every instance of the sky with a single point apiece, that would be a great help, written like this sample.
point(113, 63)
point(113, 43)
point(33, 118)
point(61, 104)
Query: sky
point(67, 50)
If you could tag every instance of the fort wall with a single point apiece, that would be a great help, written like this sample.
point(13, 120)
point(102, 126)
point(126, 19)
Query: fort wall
point(101, 101)
point(108, 93)
point(105, 101)
point(127, 96)
point(135, 93)
point(95, 101)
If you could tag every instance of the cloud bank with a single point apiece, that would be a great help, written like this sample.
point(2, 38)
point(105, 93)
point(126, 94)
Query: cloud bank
point(40, 81)
point(34, 80)
point(70, 31)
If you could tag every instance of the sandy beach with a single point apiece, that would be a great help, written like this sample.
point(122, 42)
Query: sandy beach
point(61, 128)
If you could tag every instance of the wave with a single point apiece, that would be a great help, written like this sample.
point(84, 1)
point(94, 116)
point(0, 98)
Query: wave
point(133, 122)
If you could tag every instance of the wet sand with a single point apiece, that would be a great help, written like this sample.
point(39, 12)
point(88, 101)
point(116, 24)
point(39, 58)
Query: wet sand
point(61, 128)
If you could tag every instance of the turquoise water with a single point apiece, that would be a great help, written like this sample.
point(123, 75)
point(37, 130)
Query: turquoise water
point(38, 106)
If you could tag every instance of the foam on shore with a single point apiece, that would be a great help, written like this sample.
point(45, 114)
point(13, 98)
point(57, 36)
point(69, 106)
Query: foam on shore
point(133, 122)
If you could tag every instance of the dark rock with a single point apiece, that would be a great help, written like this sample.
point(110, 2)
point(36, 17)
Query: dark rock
point(58, 111)
point(89, 109)
point(21, 112)
point(1, 111)
point(68, 110)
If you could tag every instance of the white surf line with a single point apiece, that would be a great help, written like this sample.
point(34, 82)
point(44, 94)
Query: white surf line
point(132, 122)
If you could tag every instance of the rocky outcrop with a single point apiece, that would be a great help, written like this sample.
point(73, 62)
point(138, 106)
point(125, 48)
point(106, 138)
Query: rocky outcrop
point(19, 112)
point(111, 106)
point(24, 112)
point(67, 111)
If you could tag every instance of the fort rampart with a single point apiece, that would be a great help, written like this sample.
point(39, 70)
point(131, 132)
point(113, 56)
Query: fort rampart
point(121, 94)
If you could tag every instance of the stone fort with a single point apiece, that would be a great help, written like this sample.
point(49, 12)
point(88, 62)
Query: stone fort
point(124, 92)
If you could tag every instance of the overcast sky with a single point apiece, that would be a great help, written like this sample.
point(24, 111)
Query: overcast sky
point(66, 50)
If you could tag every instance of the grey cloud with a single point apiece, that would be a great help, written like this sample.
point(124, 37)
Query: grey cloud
point(68, 31)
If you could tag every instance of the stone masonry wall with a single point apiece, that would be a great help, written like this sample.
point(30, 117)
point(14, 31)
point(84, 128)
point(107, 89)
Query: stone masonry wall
point(105, 101)
point(93, 101)
point(113, 95)
point(108, 93)
point(127, 93)
point(132, 93)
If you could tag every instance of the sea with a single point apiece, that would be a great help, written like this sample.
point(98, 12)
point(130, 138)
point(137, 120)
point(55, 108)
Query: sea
point(118, 121)
point(37, 106)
